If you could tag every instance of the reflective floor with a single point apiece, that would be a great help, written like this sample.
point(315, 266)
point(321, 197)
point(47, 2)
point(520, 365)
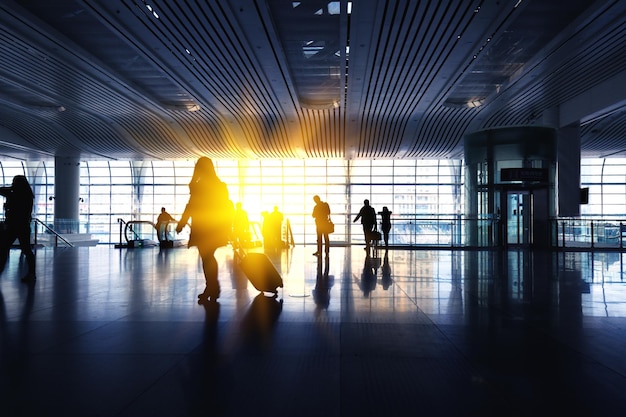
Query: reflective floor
point(118, 332)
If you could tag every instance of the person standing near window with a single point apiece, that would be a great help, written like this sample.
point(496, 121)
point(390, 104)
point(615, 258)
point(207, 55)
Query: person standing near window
point(321, 214)
point(161, 224)
point(385, 224)
point(367, 214)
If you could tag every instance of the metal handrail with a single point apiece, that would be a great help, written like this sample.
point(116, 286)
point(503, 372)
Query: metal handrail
point(57, 236)
point(126, 229)
point(590, 233)
point(132, 222)
point(121, 222)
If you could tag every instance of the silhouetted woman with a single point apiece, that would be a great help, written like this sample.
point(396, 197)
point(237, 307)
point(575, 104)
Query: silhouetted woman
point(211, 211)
point(385, 224)
point(18, 210)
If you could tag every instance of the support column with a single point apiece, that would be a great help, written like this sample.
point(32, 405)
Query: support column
point(568, 163)
point(66, 195)
point(568, 178)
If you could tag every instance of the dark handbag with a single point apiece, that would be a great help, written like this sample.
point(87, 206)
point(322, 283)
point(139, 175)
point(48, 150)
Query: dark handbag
point(374, 235)
point(330, 227)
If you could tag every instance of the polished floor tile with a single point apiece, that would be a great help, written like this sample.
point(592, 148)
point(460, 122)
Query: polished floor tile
point(118, 332)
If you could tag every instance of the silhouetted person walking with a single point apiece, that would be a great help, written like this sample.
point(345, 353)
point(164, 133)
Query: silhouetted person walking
point(385, 224)
point(18, 210)
point(211, 212)
point(367, 214)
point(321, 214)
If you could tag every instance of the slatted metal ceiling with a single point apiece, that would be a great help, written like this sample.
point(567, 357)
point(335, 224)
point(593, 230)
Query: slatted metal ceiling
point(284, 79)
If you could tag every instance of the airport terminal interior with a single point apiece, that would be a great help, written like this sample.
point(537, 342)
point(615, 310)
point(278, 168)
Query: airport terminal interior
point(494, 131)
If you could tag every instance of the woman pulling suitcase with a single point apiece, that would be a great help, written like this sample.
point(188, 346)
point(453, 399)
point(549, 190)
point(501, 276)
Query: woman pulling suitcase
point(211, 213)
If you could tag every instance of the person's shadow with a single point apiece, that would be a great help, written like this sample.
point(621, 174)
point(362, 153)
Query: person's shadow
point(14, 349)
point(204, 376)
point(258, 323)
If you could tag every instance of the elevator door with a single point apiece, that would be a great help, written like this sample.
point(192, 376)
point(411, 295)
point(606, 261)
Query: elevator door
point(519, 218)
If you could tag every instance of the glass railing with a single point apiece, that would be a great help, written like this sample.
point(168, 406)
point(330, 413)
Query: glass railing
point(61, 233)
point(427, 231)
point(45, 235)
point(432, 231)
point(590, 233)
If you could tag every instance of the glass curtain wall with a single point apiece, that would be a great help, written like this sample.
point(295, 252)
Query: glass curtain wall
point(606, 180)
point(41, 178)
point(423, 195)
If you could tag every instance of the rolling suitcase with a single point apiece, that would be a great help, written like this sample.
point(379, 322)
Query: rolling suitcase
point(261, 272)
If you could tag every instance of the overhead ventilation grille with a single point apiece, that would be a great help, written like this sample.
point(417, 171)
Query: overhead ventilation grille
point(309, 32)
point(502, 55)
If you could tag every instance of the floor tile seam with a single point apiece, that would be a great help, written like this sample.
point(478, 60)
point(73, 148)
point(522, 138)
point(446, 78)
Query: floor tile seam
point(587, 356)
point(445, 354)
point(104, 324)
point(154, 381)
point(283, 355)
point(581, 356)
point(471, 365)
point(406, 294)
point(385, 356)
point(105, 354)
point(551, 337)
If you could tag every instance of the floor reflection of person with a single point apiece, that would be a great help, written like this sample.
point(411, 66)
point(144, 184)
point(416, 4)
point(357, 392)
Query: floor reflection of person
point(18, 211)
point(210, 211)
